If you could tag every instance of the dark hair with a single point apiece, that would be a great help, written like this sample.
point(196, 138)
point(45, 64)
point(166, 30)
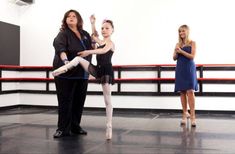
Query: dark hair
point(79, 18)
point(109, 21)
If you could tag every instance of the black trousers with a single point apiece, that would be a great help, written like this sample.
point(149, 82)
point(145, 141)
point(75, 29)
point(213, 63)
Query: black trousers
point(71, 95)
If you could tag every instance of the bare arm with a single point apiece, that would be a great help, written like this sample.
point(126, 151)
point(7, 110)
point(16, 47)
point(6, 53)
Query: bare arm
point(175, 54)
point(93, 28)
point(188, 55)
point(95, 35)
point(108, 46)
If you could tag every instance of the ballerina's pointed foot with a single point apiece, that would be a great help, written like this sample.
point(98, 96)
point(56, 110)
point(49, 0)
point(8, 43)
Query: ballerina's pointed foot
point(109, 133)
point(59, 71)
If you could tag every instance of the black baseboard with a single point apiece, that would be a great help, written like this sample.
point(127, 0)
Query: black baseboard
point(119, 110)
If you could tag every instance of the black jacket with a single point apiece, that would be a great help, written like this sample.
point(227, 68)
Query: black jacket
point(67, 41)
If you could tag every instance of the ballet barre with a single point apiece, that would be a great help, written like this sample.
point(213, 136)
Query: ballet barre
point(122, 80)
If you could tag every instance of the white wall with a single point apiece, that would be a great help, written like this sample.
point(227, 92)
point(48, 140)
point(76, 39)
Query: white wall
point(9, 12)
point(137, 102)
point(9, 100)
point(145, 30)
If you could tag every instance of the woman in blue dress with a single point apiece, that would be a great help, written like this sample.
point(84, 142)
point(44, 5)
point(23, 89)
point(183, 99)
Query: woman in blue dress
point(185, 74)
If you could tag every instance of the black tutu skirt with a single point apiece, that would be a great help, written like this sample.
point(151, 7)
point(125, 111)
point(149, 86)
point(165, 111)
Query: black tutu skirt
point(103, 73)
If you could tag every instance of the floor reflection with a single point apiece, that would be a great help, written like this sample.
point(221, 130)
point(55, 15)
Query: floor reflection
point(188, 138)
point(32, 132)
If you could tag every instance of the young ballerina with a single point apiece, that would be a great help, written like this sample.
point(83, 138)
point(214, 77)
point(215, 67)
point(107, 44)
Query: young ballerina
point(103, 71)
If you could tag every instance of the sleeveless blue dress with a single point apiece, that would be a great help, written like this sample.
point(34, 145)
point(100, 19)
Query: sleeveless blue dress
point(185, 72)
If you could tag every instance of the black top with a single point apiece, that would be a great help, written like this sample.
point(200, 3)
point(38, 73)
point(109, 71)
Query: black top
point(103, 71)
point(103, 59)
point(67, 41)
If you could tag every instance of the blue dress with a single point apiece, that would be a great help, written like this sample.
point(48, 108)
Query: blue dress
point(185, 72)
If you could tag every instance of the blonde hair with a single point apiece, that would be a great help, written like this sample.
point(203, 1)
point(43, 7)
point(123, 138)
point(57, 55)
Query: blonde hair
point(186, 41)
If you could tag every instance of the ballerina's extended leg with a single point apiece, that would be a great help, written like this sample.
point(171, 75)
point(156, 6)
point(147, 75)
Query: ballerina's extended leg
point(66, 67)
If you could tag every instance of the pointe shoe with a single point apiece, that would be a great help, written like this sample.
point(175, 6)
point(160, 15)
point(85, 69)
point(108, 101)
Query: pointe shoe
point(60, 70)
point(109, 132)
point(66, 67)
point(186, 116)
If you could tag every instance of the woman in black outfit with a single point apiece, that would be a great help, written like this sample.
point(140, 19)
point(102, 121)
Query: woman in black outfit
point(71, 87)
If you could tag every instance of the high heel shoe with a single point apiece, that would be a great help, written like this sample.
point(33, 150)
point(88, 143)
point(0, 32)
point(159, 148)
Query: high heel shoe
point(186, 116)
point(193, 122)
point(109, 132)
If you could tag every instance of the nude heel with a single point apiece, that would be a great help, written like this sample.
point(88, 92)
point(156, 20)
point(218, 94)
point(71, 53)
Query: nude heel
point(185, 118)
point(193, 122)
